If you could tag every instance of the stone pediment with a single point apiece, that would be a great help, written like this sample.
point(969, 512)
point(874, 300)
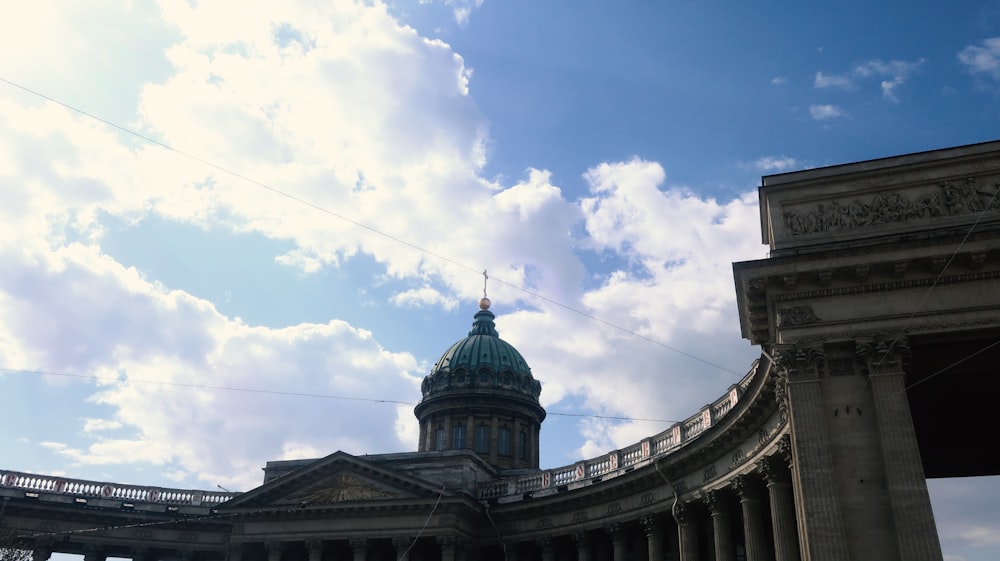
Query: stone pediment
point(338, 479)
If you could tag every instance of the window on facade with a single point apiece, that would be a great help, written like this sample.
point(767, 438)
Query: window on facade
point(503, 446)
point(459, 441)
point(439, 439)
point(522, 446)
point(482, 439)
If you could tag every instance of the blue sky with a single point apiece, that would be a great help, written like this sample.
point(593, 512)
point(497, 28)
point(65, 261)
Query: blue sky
point(341, 175)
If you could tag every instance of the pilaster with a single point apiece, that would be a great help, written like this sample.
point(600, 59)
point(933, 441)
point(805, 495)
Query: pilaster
point(820, 522)
point(916, 530)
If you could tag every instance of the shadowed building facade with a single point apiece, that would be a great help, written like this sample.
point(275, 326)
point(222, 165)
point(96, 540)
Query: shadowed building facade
point(877, 312)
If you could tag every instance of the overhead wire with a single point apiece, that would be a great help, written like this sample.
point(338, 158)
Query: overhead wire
point(192, 385)
point(359, 224)
point(899, 336)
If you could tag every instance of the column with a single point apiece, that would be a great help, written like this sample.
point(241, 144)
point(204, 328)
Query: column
point(911, 505)
point(582, 541)
point(494, 438)
point(687, 531)
point(820, 521)
point(359, 549)
point(235, 552)
point(753, 520)
point(314, 550)
point(548, 552)
point(274, 550)
point(618, 543)
point(402, 546)
point(448, 547)
point(779, 490)
point(654, 537)
point(718, 505)
point(94, 552)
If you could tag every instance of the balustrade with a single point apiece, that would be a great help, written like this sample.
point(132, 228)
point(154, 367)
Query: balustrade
point(116, 491)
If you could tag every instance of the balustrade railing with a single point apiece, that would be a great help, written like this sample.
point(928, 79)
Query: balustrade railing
point(612, 463)
point(115, 491)
point(622, 460)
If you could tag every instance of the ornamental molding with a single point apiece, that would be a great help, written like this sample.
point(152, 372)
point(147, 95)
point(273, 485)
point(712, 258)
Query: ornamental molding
point(796, 315)
point(950, 198)
point(888, 286)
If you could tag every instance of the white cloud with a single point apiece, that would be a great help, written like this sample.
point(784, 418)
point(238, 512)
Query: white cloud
point(779, 81)
point(825, 112)
point(463, 8)
point(424, 297)
point(178, 354)
point(772, 164)
point(982, 59)
point(829, 81)
point(340, 106)
point(894, 73)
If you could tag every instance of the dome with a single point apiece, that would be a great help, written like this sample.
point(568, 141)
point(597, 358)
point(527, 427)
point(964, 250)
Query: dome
point(480, 395)
point(481, 361)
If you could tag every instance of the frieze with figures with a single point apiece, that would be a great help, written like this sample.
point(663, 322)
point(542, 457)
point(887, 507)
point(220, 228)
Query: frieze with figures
point(952, 198)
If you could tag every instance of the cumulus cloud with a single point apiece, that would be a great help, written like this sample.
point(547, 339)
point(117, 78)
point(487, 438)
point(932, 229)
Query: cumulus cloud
point(982, 59)
point(339, 132)
point(825, 112)
point(176, 367)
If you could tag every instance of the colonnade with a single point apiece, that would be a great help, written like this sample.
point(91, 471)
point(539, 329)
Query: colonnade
point(747, 517)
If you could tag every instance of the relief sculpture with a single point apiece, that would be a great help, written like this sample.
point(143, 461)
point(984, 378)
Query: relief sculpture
point(955, 198)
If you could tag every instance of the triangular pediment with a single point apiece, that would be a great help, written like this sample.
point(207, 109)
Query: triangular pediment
point(340, 478)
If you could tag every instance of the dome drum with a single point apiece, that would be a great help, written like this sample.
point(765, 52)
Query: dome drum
point(482, 385)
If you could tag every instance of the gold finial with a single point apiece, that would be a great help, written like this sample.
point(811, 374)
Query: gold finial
point(484, 303)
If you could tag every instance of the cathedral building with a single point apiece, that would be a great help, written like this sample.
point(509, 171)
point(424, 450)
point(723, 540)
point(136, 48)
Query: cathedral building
point(882, 275)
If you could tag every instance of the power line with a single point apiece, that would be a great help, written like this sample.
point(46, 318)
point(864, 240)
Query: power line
point(370, 228)
point(189, 385)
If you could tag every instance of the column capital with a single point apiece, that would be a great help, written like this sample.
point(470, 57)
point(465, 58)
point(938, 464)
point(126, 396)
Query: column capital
point(800, 362)
point(718, 501)
point(747, 487)
point(880, 355)
point(94, 552)
point(41, 553)
point(774, 469)
point(684, 513)
point(615, 531)
point(137, 553)
point(651, 524)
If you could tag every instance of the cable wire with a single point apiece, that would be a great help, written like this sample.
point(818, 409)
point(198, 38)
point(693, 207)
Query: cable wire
point(362, 225)
point(293, 394)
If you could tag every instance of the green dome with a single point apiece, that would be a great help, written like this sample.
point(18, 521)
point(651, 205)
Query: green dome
point(481, 361)
point(483, 348)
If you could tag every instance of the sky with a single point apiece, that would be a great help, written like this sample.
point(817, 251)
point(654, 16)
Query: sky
point(235, 232)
